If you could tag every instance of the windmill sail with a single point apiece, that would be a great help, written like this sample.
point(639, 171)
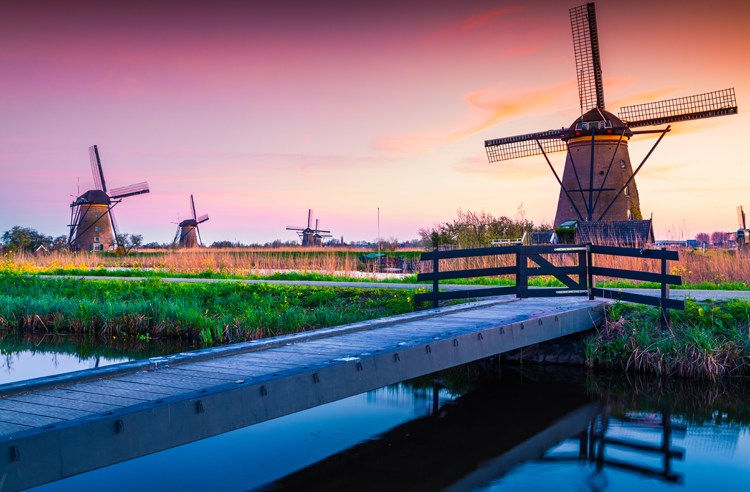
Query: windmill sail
point(710, 104)
point(192, 208)
point(115, 229)
point(588, 62)
point(96, 169)
point(309, 218)
point(126, 191)
point(503, 149)
point(202, 218)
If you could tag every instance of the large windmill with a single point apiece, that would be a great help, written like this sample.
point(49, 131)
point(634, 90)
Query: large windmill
point(598, 180)
point(308, 235)
point(92, 218)
point(187, 229)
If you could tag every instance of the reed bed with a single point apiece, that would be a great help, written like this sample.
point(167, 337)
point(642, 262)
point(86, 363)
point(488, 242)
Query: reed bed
point(213, 313)
point(706, 341)
point(711, 270)
point(696, 402)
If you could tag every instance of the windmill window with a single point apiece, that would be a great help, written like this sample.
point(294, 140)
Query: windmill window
point(96, 228)
point(627, 190)
point(622, 164)
point(629, 215)
point(96, 216)
point(96, 239)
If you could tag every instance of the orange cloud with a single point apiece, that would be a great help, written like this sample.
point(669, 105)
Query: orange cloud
point(669, 172)
point(491, 110)
point(515, 170)
point(412, 143)
point(643, 97)
point(495, 110)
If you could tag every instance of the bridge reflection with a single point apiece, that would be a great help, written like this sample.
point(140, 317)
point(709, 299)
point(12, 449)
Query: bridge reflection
point(473, 441)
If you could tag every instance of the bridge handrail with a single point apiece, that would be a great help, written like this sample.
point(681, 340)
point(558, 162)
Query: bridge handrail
point(585, 271)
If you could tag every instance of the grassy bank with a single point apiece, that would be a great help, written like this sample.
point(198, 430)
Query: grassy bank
point(215, 312)
point(543, 281)
point(709, 340)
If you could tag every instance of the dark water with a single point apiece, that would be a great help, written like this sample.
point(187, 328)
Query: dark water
point(530, 429)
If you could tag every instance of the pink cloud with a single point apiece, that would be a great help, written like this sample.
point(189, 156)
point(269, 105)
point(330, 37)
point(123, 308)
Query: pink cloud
point(477, 20)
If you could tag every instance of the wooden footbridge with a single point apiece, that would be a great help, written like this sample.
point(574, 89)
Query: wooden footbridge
point(59, 426)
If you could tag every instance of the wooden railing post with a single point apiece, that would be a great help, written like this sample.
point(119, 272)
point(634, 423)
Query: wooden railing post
point(522, 280)
point(435, 282)
point(589, 264)
point(583, 274)
point(664, 293)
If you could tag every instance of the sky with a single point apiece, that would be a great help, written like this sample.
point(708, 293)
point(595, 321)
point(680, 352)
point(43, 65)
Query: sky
point(263, 110)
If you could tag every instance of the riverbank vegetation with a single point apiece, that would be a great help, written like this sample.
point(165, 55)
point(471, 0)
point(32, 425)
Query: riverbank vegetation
point(217, 312)
point(709, 340)
point(718, 270)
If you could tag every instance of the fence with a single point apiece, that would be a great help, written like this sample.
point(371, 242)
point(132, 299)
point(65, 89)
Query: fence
point(578, 280)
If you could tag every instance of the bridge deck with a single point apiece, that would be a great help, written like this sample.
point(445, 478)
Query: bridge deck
point(60, 426)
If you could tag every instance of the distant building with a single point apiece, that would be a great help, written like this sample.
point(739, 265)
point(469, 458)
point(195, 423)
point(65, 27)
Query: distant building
point(548, 237)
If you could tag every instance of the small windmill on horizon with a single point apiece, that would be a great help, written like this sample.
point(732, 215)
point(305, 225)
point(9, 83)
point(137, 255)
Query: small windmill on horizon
point(310, 236)
point(188, 228)
point(92, 219)
point(598, 179)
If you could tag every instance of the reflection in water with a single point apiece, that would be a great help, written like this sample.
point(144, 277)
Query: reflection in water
point(34, 356)
point(531, 429)
point(553, 430)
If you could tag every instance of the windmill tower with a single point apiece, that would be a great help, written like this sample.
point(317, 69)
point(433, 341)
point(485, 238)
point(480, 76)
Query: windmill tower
point(598, 179)
point(92, 221)
point(310, 236)
point(187, 229)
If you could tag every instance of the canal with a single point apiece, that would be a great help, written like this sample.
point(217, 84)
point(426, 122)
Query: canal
point(474, 428)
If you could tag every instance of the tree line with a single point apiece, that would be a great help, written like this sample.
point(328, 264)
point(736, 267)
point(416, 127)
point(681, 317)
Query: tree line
point(478, 229)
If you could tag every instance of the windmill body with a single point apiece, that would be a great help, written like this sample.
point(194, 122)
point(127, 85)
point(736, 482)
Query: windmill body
point(188, 237)
point(188, 234)
point(92, 221)
point(611, 170)
point(598, 182)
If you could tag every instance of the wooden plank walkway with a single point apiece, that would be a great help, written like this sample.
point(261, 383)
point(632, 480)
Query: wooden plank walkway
point(56, 427)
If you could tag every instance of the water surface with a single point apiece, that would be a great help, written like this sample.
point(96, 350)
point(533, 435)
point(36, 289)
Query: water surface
point(461, 430)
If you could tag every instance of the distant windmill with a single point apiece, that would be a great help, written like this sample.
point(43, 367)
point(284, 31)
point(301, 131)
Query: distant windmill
point(743, 235)
point(92, 220)
point(310, 236)
point(187, 229)
point(597, 142)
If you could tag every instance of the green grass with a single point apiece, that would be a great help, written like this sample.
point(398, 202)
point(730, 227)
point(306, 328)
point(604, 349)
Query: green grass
point(708, 340)
point(227, 311)
point(409, 279)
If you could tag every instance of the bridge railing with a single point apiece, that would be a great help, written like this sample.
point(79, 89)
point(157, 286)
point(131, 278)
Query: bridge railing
point(578, 280)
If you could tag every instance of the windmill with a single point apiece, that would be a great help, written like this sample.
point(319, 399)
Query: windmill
point(187, 229)
point(598, 179)
point(743, 235)
point(308, 235)
point(92, 218)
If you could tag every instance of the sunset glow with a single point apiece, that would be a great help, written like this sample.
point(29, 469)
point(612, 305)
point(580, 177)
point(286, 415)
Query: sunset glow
point(263, 110)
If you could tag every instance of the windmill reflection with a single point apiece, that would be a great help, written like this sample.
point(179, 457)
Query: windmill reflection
point(639, 436)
